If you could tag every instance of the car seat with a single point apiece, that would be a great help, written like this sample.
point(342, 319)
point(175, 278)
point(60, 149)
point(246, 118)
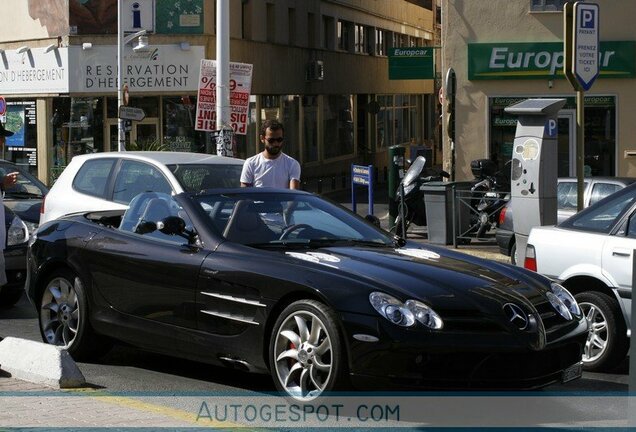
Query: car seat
point(246, 225)
point(138, 206)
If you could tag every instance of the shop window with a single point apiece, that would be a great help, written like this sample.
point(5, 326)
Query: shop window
point(600, 135)
point(338, 125)
point(546, 5)
point(21, 148)
point(77, 128)
point(178, 124)
point(396, 121)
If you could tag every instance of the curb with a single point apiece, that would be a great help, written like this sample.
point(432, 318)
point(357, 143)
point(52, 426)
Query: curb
point(39, 363)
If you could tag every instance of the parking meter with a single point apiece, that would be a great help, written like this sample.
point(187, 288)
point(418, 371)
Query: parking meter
point(534, 168)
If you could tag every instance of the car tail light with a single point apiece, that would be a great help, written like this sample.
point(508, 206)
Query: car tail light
point(531, 259)
point(42, 206)
point(502, 215)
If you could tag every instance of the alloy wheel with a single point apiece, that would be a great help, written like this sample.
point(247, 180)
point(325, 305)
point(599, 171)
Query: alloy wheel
point(598, 336)
point(304, 355)
point(60, 313)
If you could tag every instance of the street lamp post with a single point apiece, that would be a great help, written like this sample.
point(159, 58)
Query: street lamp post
point(121, 42)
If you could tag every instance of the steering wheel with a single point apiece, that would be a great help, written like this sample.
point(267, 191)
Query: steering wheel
point(290, 229)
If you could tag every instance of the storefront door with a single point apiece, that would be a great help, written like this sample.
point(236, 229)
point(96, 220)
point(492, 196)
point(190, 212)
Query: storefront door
point(142, 134)
point(566, 143)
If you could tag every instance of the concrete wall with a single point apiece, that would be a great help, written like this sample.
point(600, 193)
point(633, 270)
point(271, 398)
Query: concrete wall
point(33, 19)
point(468, 21)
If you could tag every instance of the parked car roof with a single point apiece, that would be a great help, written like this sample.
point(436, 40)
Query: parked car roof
point(167, 158)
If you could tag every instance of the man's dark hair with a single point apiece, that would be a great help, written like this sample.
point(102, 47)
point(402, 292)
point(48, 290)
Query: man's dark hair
point(271, 124)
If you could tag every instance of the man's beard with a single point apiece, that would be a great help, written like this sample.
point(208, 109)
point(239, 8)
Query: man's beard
point(273, 151)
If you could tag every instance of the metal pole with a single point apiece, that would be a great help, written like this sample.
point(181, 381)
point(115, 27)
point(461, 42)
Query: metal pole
point(121, 133)
point(580, 147)
point(223, 65)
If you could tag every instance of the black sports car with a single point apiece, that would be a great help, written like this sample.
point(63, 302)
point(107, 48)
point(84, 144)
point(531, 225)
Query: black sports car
point(289, 283)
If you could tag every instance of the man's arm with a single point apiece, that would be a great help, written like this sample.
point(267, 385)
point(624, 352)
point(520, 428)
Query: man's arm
point(246, 184)
point(294, 175)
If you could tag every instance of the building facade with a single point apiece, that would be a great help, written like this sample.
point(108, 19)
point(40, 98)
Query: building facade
point(319, 66)
point(504, 51)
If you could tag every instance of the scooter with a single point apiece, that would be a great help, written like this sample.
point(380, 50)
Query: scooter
point(490, 194)
point(410, 197)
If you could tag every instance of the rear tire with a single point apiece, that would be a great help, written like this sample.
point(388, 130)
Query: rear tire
point(513, 254)
point(607, 341)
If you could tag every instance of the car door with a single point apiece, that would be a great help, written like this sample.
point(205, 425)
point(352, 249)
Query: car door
point(617, 255)
point(147, 274)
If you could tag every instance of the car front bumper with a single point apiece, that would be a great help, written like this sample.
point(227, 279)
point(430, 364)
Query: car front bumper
point(417, 359)
point(15, 266)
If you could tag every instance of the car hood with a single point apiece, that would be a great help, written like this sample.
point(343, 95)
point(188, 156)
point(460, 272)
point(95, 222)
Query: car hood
point(435, 275)
point(27, 209)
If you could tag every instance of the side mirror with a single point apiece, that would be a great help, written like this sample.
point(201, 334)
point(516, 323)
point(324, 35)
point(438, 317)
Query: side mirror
point(171, 225)
point(373, 219)
point(146, 227)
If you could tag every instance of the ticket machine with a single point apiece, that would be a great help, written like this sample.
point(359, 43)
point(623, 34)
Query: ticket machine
point(534, 167)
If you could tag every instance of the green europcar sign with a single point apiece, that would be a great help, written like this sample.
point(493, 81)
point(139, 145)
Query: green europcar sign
point(411, 63)
point(490, 61)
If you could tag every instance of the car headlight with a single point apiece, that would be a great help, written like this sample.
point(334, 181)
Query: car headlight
point(405, 314)
point(17, 233)
point(563, 301)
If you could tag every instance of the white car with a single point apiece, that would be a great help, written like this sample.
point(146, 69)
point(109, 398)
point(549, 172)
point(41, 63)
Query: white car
point(105, 181)
point(590, 254)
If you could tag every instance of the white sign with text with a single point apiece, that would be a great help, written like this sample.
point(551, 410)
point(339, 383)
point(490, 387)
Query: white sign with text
point(240, 88)
point(158, 68)
point(34, 71)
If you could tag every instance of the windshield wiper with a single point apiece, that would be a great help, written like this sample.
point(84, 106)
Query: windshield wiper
point(347, 241)
point(318, 243)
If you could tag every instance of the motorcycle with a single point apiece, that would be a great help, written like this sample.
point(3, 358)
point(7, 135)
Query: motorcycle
point(410, 197)
point(489, 195)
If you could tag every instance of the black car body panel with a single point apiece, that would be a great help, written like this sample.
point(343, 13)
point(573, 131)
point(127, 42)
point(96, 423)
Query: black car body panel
point(218, 300)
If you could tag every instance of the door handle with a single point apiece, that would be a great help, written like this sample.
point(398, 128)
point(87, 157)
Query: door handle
point(621, 253)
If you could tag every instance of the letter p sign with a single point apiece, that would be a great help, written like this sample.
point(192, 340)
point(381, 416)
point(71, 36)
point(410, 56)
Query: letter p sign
point(551, 128)
point(587, 18)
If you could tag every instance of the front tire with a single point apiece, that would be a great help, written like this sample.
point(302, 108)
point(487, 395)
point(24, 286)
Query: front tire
point(63, 316)
point(607, 342)
point(306, 351)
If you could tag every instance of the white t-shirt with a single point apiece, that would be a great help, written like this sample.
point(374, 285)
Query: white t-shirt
point(262, 172)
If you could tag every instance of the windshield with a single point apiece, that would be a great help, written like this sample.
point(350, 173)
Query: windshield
point(287, 219)
point(27, 185)
point(414, 170)
point(602, 216)
point(195, 178)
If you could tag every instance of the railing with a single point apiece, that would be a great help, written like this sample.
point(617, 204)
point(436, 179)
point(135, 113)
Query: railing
point(467, 218)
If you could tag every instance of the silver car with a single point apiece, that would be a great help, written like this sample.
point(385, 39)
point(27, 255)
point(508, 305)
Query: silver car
point(596, 188)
